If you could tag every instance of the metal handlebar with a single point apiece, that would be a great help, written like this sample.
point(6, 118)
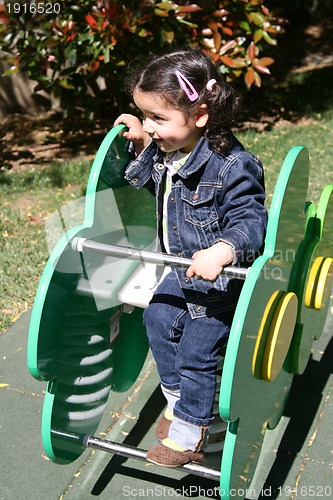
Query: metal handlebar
point(82, 244)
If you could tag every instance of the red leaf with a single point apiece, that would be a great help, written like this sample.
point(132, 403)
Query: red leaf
point(228, 61)
point(252, 51)
point(94, 66)
point(91, 21)
point(211, 54)
point(3, 15)
point(220, 13)
point(217, 40)
point(257, 79)
point(56, 29)
point(214, 26)
point(229, 45)
point(240, 62)
point(249, 77)
point(228, 31)
point(189, 8)
point(265, 61)
point(265, 10)
point(262, 69)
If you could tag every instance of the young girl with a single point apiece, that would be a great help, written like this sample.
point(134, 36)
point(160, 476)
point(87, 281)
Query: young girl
point(210, 207)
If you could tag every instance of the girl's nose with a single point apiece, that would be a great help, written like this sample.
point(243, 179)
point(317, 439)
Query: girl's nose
point(147, 126)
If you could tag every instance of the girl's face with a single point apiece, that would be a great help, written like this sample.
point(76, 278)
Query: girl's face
point(168, 126)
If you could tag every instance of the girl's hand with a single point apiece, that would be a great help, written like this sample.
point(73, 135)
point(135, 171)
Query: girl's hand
point(209, 263)
point(135, 131)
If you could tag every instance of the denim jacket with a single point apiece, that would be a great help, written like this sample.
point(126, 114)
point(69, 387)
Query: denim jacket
point(213, 198)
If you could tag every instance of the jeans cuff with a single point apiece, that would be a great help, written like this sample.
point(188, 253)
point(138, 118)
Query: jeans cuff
point(199, 422)
point(191, 437)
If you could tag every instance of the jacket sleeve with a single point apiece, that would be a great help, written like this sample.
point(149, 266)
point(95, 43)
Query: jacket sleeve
point(139, 170)
point(244, 217)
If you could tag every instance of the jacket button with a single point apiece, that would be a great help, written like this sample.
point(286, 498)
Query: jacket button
point(187, 280)
point(199, 308)
point(135, 180)
point(172, 199)
point(160, 166)
point(195, 196)
point(174, 228)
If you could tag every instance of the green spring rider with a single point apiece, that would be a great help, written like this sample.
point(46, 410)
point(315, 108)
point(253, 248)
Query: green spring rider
point(87, 340)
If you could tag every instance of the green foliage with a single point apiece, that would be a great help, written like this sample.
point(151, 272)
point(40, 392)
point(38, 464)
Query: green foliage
point(80, 52)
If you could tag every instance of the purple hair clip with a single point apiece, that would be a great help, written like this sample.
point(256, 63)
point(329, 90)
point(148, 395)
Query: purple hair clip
point(187, 86)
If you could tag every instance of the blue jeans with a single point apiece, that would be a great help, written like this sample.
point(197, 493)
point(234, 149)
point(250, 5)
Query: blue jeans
point(187, 350)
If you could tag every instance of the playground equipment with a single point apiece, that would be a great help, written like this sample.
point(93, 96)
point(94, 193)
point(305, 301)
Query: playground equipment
point(86, 337)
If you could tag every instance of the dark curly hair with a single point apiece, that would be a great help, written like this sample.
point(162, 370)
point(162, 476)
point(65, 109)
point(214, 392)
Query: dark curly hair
point(158, 74)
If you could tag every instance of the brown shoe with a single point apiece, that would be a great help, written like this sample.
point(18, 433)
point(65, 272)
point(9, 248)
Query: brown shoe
point(163, 427)
point(162, 455)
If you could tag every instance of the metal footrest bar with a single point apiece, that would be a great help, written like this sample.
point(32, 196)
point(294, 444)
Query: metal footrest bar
point(139, 454)
point(82, 245)
point(131, 452)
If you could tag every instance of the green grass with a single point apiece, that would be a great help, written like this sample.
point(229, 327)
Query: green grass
point(29, 197)
point(271, 147)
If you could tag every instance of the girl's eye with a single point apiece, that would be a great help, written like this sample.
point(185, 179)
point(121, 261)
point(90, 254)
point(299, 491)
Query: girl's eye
point(158, 118)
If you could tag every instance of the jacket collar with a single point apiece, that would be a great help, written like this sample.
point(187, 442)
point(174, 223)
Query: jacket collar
point(198, 157)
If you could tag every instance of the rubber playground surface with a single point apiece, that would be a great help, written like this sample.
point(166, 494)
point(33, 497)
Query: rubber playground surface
point(296, 460)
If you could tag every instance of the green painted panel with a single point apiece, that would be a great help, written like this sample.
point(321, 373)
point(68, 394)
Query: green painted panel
point(312, 320)
point(76, 311)
point(245, 398)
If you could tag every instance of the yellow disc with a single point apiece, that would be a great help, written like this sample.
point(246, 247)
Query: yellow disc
point(280, 335)
point(263, 332)
point(324, 284)
point(311, 285)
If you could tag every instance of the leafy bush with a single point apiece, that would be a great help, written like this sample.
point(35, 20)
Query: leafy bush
point(80, 54)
